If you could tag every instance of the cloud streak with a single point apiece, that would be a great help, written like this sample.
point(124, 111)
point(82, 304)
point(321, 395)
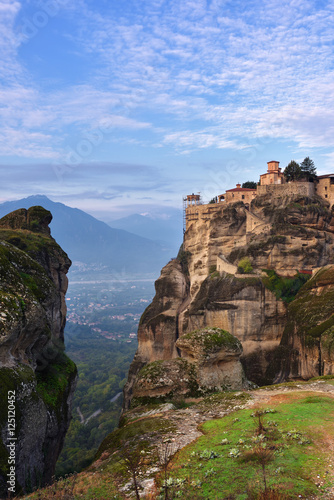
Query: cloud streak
point(179, 77)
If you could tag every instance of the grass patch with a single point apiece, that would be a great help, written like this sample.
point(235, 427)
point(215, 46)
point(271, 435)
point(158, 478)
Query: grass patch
point(226, 458)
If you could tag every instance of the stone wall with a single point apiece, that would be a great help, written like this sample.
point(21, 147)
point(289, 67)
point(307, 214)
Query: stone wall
point(256, 225)
point(325, 189)
point(201, 212)
point(291, 188)
point(224, 266)
point(233, 195)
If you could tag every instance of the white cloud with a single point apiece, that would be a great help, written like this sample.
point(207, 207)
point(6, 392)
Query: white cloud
point(196, 74)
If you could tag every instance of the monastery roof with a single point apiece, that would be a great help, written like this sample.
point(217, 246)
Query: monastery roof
point(324, 176)
point(240, 189)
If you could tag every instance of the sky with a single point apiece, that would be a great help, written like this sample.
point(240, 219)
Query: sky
point(120, 107)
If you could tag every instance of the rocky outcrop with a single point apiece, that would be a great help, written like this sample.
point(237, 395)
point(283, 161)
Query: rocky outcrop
point(210, 362)
point(216, 355)
point(307, 347)
point(286, 235)
point(37, 380)
point(249, 311)
point(158, 327)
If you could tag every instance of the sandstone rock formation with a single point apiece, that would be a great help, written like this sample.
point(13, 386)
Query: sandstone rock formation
point(307, 345)
point(34, 371)
point(210, 362)
point(216, 354)
point(288, 234)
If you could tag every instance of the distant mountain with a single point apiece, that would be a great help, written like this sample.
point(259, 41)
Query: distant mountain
point(95, 243)
point(167, 231)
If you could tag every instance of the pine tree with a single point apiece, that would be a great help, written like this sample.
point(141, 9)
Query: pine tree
point(308, 169)
point(292, 172)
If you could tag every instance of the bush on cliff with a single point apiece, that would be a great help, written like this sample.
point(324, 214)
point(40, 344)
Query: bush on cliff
point(285, 289)
point(245, 266)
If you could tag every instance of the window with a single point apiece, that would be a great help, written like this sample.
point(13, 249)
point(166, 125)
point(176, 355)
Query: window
point(326, 196)
point(242, 196)
point(325, 188)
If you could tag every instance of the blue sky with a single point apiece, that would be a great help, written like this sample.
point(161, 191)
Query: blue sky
point(118, 107)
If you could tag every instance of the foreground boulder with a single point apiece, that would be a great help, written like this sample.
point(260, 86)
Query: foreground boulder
point(210, 362)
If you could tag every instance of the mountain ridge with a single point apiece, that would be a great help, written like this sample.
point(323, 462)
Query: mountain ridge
point(93, 242)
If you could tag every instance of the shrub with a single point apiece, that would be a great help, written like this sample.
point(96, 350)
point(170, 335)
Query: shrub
point(285, 289)
point(212, 269)
point(245, 266)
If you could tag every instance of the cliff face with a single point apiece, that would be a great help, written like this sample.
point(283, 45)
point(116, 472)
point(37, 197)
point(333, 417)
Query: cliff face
point(36, 377)
point(308, 339)
point(286, 235)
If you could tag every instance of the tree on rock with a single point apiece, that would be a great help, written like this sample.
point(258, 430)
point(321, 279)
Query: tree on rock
point(292, 172)
point(308, 169)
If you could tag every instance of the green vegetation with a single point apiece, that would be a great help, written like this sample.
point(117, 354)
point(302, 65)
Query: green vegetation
point(212, 339)
point(183, 257)
point(308, 169)
point(180, 371)
point(292, 171)
point(145, 427)
point(35, 244)
point(152, 371)
point(53, 381)
point(102, 368)
point(249, 185)
point(285, 289)
point(10, 380)
point(212, 268)
point(247, 452)
point(310, 315)
point(245, 266)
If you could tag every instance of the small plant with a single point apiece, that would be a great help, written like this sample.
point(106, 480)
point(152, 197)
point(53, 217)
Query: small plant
point(166, 453)
point(132, 458)
point(260, 428)
point(245, 266)
point(210, 472)
point(261, 455)
point(209, 454)
point(234, 453)
point(212, 268)
point(184, 257)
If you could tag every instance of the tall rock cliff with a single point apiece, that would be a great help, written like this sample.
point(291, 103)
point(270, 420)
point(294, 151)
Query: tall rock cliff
point(37, 380)
point(203, 289)
point(308, 338)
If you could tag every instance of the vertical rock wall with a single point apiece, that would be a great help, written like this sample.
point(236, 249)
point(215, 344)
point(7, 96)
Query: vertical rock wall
point(37, 380)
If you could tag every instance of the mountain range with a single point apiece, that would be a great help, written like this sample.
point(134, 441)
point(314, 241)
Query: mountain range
point(93, 244)
point(164, 230)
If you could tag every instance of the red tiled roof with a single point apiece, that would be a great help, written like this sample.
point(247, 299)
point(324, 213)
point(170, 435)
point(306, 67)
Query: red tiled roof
point(240, 189)
point(324, 176)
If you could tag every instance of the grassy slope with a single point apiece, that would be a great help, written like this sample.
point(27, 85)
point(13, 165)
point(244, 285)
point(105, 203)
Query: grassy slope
point(299, 436)
point(297, 426)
